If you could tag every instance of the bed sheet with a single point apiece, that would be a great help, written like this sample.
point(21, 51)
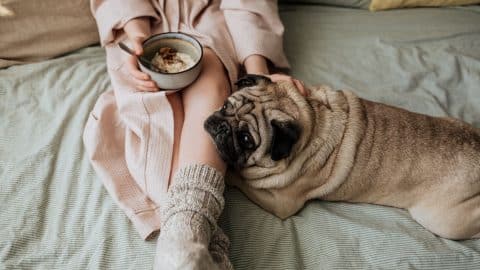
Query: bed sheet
point(56, 215)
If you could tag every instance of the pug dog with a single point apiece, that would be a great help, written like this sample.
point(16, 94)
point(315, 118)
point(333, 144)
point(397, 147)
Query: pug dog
point(332, 145)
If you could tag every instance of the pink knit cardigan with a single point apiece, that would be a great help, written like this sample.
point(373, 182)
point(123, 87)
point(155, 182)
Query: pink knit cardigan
point(129, 133)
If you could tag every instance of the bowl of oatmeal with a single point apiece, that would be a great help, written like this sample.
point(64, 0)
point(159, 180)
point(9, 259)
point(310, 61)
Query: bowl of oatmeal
point(175, 60)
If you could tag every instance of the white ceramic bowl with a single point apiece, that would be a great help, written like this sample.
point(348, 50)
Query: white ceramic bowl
point(171, 82)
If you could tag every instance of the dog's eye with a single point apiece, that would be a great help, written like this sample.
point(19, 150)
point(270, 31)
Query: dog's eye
point(226, 107)
point(245, 140)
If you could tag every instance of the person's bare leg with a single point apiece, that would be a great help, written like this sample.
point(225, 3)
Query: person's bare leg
point(196, 145)
point(175, 100)
point(200, 100)
point(195, 197)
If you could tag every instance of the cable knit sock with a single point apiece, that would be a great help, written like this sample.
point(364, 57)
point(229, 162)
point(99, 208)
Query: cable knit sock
point(194, 203)
point(219, 250)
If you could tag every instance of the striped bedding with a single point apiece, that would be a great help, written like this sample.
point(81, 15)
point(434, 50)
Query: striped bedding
point(55, 213)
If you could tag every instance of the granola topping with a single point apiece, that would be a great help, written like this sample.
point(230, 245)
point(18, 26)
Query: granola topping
point(169, 60)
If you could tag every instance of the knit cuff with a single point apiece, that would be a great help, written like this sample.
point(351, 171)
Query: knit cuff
point(202, 177)
point(199, 189)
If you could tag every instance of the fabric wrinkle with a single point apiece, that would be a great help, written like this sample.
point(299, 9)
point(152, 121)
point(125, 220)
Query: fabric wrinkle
point(136, 155)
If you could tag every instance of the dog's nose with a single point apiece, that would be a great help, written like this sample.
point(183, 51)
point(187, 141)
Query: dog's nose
point(223, 128)
point(216, 125)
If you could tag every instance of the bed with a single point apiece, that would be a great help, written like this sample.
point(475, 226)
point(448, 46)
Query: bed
point(56, 214)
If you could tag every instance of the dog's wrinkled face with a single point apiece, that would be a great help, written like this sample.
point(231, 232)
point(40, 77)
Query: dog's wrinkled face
point(257, 126)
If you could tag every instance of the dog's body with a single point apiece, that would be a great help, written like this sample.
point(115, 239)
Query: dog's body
point(335, 146)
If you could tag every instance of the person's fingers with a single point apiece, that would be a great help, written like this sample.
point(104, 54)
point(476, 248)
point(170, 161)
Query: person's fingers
point(146, 89)
point(144, 85)
point(284, 78)
point(142, 81)
point(298, 84)
point(280, 77)
point(148, 84)
point(306, 89)
point(138, 45)
point(300, 87)
point(132, 67)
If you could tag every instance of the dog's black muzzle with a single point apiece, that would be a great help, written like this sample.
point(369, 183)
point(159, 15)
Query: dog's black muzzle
point(221, 132)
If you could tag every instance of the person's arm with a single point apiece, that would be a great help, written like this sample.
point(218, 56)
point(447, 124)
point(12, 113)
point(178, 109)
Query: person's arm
point(256, 64)
point(112, 15)
point(260, 23)
point(133, 18)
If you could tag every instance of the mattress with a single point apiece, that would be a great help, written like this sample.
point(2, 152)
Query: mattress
point(56, 214)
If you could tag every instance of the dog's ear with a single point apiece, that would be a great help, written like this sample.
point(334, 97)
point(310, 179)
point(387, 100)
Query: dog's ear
point(285, 135)
point(250, 80)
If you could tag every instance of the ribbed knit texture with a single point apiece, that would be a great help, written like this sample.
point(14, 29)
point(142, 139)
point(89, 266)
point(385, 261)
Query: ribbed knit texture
point(194, 203)
point(218, 248)
point(56, 214)
point(130, 139)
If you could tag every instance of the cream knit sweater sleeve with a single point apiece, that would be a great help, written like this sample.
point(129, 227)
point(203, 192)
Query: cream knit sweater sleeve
point(190, 238)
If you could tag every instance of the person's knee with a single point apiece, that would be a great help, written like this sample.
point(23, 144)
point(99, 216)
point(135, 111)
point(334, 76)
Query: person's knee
point(215, 89)
point(211, 88)
point(216, 76)
point(211, 98)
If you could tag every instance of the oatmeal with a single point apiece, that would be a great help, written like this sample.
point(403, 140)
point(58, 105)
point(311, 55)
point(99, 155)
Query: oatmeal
point(168, 60)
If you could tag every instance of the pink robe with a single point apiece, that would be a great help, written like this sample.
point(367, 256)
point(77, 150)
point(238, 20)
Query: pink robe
point(129, 133)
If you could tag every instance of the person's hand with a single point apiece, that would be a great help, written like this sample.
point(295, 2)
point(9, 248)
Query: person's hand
point(137, 30)
point(277, 77)
point(257, 64)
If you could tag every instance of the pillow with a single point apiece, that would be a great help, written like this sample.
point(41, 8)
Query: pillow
point(34, 30)
point(344, 3)
point(390, 4)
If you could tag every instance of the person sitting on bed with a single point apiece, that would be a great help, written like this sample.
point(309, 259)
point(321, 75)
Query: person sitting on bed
point(149, 148)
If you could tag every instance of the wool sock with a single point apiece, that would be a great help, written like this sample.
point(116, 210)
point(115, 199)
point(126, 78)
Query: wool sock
point(219, 250)
point(189, 221)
